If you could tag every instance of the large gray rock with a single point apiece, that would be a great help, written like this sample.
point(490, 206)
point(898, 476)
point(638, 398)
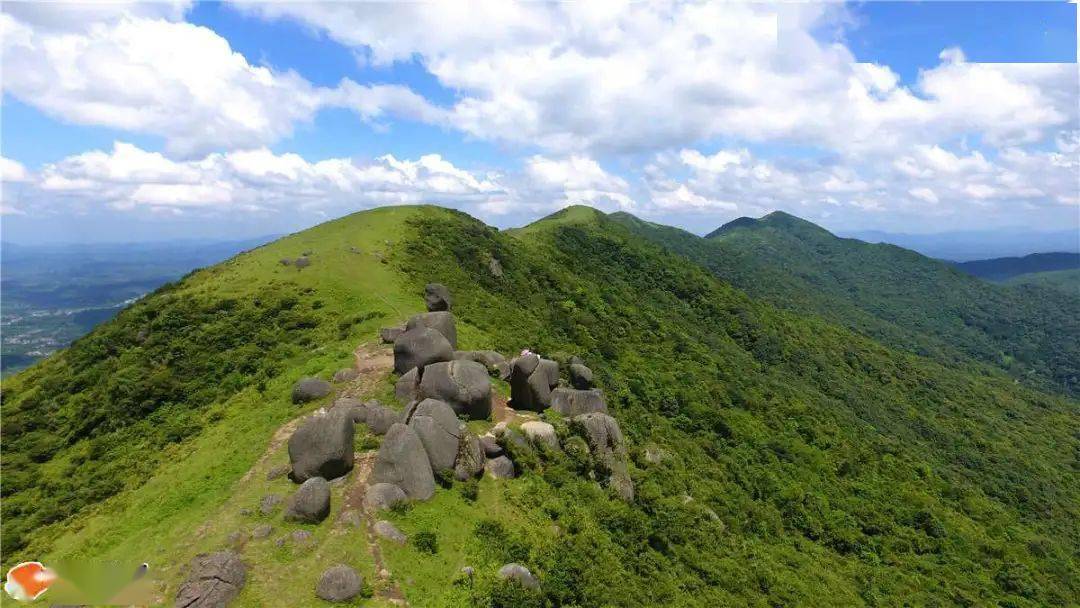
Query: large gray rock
point(346, 374)
point(339, 584)
point(407, 388)
point(442, 322)
point(470, 457)
point(608, 448)
point(389, 334)
point(322, 447)
point(499, 468)
point(491, 446)
point(214, 581)
point(463, 385)
point(572, 402)
point(421, 346)
point(519, 574)
point(310, 389)
point(495, 363)
point(437, 297)
point(352, 408)
point(439, 430)
point(311, 502)
point(531, 381)
point(383, 496)
point(403, 462)
point(540, 433)
point(380, 418)
point(581, 377)
point(387, 530)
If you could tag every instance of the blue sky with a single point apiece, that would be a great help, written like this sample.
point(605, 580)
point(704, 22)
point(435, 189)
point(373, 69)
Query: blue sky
point(222, 119)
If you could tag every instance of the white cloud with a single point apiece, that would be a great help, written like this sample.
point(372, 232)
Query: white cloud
point(12, 171)
point(134, 70)
point(924, 194)
point(646, 76)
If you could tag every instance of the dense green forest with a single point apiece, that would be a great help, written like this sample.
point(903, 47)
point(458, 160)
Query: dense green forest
point(802, 462)
point(1001, 269)
point(891, 294)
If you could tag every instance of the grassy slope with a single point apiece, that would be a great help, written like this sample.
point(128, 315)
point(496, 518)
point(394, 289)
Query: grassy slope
point(823, 468)
point(891, 294)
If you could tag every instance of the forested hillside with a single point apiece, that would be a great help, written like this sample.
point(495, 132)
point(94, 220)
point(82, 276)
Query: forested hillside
point(897, 296)
point(1001, 269)
point(779, 458)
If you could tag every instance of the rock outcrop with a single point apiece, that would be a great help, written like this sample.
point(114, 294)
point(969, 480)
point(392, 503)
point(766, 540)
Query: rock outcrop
point(439, 430)
point(572, 402)
point(310, 389)
point(442, 322)
point(383, 496)
point(420, 346)
point(519, 574)
point(531, 381)
point(403, 461)
point(495, 363)
point(463, 385)
point(470, 457)
point(407, 388)
point(437, 297)
point(353, 409)
point(311, 502)
point(540, 433)
point(215, 580)
point(581, 377)
point(608, 449)
point(380, 418)
point(322, 447)
point(389, 334)
point(387, 530)
point(339, 584)
point(500, 468)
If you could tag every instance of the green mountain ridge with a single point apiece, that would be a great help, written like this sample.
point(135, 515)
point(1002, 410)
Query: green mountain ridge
point(891, 294)
point(800, 462)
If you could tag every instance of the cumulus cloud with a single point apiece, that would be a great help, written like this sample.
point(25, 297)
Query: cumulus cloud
point(134, 69)
point(646, 76)
point(129, 178)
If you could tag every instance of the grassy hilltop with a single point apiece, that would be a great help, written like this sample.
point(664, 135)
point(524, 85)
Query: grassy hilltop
point(802, 463)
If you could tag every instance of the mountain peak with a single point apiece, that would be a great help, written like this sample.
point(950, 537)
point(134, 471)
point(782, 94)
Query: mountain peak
point(778, 220)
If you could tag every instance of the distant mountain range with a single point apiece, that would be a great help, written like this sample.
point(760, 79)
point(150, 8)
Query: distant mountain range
point(1000, 269)
point(967, 245)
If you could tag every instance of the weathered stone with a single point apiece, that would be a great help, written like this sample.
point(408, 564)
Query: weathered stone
point(262, 531)
point(339, 584)
point(215, 580)
point(407, 388)
point(495, 363)
point(302, 262)
point(540, 433)
point(389, 334)
point(495, 267)
point(519, 574)
point(441, 321)
point(311, 502)
point(499, 468)
point(531, 381)
point(322, 447)
point(387, 530)
point(463, 385)
point(352, 408)
point(437, 297)
point(439, 430)
point(269, 503)
point(572, 402)
point(346, 374)
point(383, 496)
point(581, 377)
point(402, 461)
point(606, 443)
point(380, 418)
point(470, 457)
point(310, 389)
point(419, 347)
point(491, 446)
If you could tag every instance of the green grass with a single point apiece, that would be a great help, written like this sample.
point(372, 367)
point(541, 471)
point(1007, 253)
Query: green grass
point(806, 464)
